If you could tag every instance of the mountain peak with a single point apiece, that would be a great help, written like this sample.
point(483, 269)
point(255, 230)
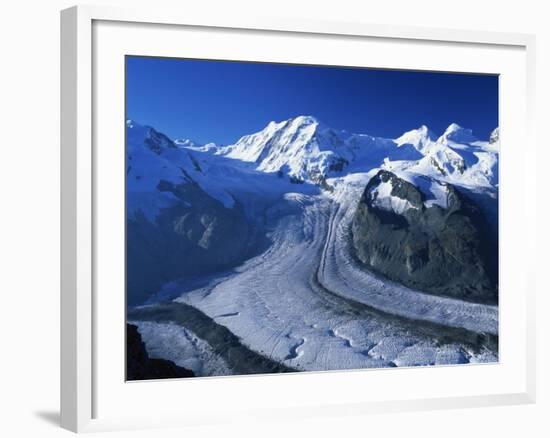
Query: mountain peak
point(293, 124)
point(186, 142)
point(457, 134)
point(453, 127)
point(156, 141)
point(132, 124)
point(418, 138)
point(423, 129)
point(495, 136)
point(304, 120)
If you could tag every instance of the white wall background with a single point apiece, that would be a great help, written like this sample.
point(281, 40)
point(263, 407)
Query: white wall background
point(29, 216)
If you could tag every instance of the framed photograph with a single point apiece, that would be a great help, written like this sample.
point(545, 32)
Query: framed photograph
point(253, 208)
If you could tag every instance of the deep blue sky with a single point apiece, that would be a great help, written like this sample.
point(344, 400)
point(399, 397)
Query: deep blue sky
point(220, 101)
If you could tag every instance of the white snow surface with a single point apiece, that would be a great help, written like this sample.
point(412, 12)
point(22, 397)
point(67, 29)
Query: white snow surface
point(305, 301)
point(186, 143)
point(305, 149)
point(440, 195)
point(456, 157)
point(147, 167)
point(279, 311)
point(419, 138)
point(342, 275)
point(217, 175)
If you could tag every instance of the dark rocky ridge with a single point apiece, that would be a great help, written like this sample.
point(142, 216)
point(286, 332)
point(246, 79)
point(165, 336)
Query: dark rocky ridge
point(139, 366)
point(195, 237)
point(157, 141)
point(445, 251)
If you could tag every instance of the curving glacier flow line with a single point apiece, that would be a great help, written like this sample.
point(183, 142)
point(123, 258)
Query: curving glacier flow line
point(339, 272)
point(302, 302)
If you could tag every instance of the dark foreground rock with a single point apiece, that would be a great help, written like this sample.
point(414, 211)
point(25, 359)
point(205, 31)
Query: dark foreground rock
point(139, 366)
point(445, 251)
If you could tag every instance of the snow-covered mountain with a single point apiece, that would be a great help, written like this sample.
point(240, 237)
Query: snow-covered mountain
point(255, 235)
point(308, 150)
point(152, 157)
point(302, 150)
point(181, 219)
point(457, 157)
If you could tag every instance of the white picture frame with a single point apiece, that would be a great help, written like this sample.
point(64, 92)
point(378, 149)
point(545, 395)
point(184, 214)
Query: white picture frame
point(82, 171)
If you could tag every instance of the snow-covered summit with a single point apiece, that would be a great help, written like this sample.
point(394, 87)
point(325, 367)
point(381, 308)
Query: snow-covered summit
point(494, 138)
point(456, 157)
point(186, 143)
point(304, 150)
point(153, 159)
point(309, 150)
point(287, 136)
point(156, 141)
point(419, 138)
point(305, 120)
point(457, 134)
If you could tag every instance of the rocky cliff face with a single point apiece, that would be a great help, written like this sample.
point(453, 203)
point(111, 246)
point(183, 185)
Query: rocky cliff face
point(438, 242)
point(195, 236)
point(176, 227)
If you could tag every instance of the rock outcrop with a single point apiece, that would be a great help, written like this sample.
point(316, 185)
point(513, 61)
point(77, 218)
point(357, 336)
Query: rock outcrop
point(179, 222)
point(196, 236)
point(444, 247)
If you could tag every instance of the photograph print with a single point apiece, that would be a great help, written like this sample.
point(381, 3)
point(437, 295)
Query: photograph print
point(285, 218)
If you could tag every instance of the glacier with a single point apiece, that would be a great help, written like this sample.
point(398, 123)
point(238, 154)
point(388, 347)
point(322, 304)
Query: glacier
point(303, 300)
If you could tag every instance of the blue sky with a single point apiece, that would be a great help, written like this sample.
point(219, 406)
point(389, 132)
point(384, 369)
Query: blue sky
point(220, 101)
